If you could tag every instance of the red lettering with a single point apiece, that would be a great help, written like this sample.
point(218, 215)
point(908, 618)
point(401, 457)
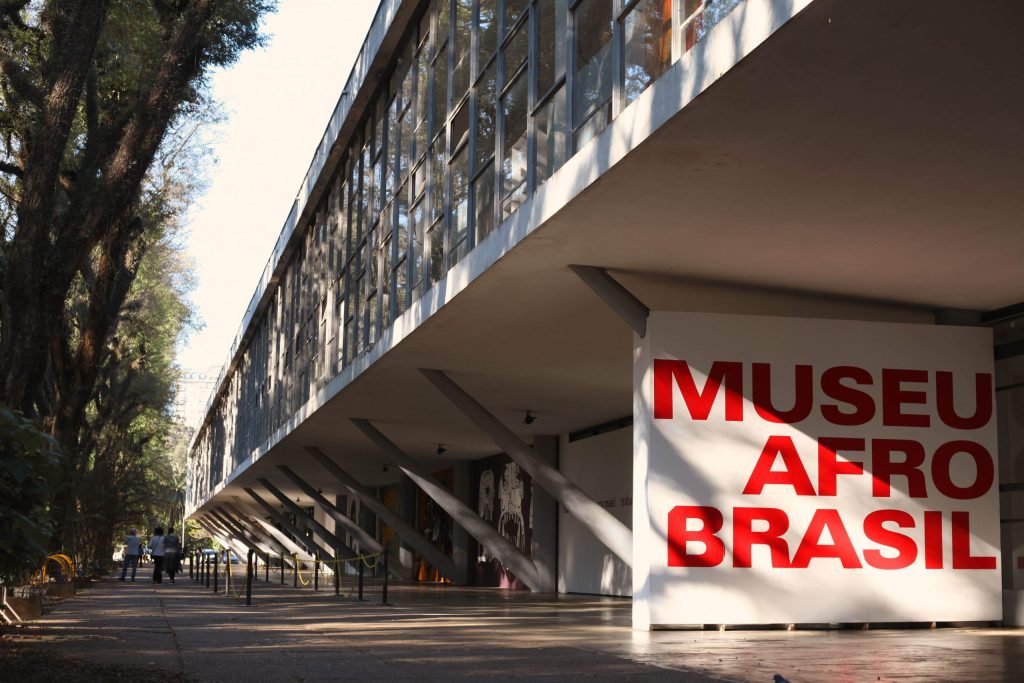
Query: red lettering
point(942, 470)
point(679, 536)
point(932, 539)
point(840, 548)
point(829, 465)
point(906, 549)
point(699, 403)
point(744, 536)
point(962, 558)
point(982, 401)
point(894, 397)
point(884, 469)
point(794, 475)
point(861, 402)
point(803, 394)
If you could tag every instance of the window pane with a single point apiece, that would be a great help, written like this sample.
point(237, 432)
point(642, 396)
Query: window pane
point(422, 88)
point(460, 203)
point(485, 117)
point(440, 92)
point(513, 160)
point(436, 239)
point(483, 194)
point(514, 9)
point(648, 50)
point(406, 144)
point(551, 31)
point(418, 229)
point(552, 136)
point(516, 51)
point(460, 126)
point(385, 284)
point(401, 287)
point(487, 29)
point(437, 179)
point(593, 57)
point(443, 20)
point(460, 46)
point(402, 206)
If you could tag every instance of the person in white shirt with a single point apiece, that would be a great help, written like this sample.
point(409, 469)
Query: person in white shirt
point(156, 549)
point(132, 550)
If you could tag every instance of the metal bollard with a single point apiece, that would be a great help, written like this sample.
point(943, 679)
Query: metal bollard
point(216, 561)
point(384, 594)
point(337, 572)
point(295, 571)
point(266, 569)
point(282, 569)
point(360, 561)
point(207, 571)
point(316, 571)
point(248, 577)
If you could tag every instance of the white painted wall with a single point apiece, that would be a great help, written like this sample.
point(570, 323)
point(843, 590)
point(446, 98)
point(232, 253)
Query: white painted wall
point(602, 466)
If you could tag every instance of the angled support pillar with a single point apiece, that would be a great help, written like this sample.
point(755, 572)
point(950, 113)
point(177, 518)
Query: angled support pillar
point(268, 539)
point(615, 535)
point(405, 531)
point(618, 298)
point(250, 532)
point(291, 548)
point(366, 541)
point(318, 528)
point(522, 566)
point(311, 546)
point(238, 532)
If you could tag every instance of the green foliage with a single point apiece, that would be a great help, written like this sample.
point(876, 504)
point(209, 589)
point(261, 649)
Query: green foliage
point(27, 458)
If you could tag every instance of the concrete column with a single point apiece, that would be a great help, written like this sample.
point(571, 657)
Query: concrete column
point(498, 545)
point(545, 514)
point(257, 530)
point(310, 545)
point(367, 543)
point(238, 533)
point(317, 527)
point(609, 530)
point(407, 506)
point(460, 538)
point(291, 548)
point(405, 530)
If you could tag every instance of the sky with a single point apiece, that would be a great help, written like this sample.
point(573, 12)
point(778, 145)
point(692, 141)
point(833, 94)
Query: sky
point(278, 100)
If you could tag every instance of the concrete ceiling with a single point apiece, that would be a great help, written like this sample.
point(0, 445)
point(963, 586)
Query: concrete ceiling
point(869, 152)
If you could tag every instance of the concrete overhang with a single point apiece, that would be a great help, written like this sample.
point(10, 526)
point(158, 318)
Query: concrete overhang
point(863, 162)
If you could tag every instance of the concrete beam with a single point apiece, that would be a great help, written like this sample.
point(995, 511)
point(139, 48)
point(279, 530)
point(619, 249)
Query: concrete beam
point(617, 297)
point(239, 533)
point(366, 541)
point(407, 532)
point(509, 555)
point(609, 530)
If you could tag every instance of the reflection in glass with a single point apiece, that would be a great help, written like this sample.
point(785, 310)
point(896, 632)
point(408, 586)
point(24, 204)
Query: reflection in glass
point(487, 30)
point(514, 10)
point(460, 47)
point(551, 30)
point(436, 239)
point(485, 117)
point(593, 60)
point(513, 160)
point(440, 92)
point(460, 205)
point(516, 51)
point(647, 49)
point(483, 195)
point(552, 136)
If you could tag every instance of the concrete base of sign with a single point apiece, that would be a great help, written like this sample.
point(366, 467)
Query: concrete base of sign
point(1013, 607)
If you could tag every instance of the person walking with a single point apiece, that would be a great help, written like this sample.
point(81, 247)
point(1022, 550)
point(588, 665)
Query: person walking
point(156, 549)
point(132, 550)
point(171, 552)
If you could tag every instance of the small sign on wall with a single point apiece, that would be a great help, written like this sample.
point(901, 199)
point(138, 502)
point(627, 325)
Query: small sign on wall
point(813, 471)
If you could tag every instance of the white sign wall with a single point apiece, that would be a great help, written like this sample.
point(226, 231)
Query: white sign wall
point(813, 471)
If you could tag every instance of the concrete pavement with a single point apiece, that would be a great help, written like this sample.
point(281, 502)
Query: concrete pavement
point(442, 633)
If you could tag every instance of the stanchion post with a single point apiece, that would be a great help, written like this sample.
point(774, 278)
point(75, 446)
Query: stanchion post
point(295, 571)
point(384, 594)
point(255, 562)
point(282, 568)
point(266, 569)
point(216, 561)
point(316, 571)
point(337, 573)
point(207, 571)
point(361, 563)
point(249, 570)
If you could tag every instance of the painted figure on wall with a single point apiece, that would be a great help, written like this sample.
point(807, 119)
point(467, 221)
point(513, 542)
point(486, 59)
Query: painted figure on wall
point(511, 492)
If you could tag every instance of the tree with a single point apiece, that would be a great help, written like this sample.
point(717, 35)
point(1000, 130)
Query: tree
point(89, 89)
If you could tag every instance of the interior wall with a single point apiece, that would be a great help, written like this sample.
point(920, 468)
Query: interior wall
point(602, 466)
point(1010, 420)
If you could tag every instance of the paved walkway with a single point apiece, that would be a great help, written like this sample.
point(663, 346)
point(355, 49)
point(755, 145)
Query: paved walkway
point(440, 634)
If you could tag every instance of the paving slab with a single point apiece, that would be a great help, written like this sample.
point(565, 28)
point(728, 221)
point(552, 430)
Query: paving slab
point(185, 631)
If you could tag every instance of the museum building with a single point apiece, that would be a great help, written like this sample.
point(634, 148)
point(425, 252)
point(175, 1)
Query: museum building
point(718, 305)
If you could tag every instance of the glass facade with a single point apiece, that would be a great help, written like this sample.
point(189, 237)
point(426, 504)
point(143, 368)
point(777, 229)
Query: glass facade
point(483, 101)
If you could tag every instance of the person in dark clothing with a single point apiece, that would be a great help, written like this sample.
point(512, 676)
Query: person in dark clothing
point(171, 553)
point(156, 549)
